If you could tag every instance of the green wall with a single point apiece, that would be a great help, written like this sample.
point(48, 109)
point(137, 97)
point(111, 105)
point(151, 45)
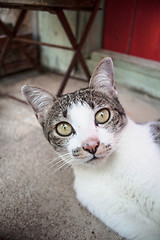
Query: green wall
point(51, 31)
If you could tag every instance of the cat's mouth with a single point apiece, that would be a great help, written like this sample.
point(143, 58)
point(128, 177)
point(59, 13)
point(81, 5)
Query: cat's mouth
point(94, 159)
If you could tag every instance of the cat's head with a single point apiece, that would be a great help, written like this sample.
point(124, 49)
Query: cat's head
point(84, 124)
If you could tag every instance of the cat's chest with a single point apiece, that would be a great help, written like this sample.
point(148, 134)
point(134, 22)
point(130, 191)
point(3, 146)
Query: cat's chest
point(109, 194)
point(108, 185)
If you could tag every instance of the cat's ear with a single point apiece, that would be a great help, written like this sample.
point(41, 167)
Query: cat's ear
point(102, 78)
point(38, 99)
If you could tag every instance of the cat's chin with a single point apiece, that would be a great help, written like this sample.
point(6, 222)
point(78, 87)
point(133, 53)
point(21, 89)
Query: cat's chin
point(96, 161)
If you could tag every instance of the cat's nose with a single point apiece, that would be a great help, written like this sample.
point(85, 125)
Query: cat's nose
point(91, 145)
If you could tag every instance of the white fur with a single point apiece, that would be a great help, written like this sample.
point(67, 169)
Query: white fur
point(125, 192)
point(82, 118)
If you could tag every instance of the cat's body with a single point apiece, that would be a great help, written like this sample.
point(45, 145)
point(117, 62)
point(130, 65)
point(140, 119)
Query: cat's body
point(116, 162)
point(125, 194)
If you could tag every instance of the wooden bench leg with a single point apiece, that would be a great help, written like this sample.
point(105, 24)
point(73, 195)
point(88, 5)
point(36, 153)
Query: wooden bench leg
point(77, 47)
point(67, 75)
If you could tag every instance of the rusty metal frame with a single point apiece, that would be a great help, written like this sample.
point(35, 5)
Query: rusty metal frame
point(76, 47)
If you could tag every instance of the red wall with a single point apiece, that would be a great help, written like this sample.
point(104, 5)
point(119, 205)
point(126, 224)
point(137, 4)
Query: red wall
point(133, 27)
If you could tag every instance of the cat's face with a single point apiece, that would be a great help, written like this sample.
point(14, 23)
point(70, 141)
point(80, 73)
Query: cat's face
point(84, 125)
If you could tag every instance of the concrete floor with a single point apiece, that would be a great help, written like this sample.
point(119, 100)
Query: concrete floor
point(35, 202)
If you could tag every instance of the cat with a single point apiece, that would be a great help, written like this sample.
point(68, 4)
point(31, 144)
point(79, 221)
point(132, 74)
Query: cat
point(116, 162)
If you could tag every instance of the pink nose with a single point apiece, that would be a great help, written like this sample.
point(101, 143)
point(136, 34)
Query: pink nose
point(91, 145)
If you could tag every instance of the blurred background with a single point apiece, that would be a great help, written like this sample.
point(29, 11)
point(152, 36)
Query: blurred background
point(128, 32)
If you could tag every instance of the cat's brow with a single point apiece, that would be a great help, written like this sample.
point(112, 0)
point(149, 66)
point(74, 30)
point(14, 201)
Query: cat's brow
point(77, 95)
point(65, 113)
point(59, 103)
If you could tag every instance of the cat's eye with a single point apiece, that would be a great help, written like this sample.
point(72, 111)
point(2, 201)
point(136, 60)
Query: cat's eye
point(64, 129)
point(102, 116)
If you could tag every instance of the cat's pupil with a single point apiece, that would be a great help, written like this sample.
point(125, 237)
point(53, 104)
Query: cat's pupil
point(102, 115)
point(64, 127)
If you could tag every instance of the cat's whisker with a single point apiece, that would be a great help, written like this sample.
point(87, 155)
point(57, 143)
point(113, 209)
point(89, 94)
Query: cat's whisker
point(61, 166)
point(65, 154)
point(66, 167)
point(56, 163)
point(60, 156)
point(53, 160)
point(50, 160)
point(100, 147)
point(57, 158)
point(46, 161)
point(68, 162)
point(61, 163)
point(66, 158)
point(51, 171)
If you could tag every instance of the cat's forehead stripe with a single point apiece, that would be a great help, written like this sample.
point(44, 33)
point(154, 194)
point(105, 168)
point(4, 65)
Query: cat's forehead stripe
point(88, 96)
point(65, 113)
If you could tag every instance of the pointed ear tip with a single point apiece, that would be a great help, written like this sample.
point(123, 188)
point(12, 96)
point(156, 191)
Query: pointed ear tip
point(24, 88)
point(107, 59)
